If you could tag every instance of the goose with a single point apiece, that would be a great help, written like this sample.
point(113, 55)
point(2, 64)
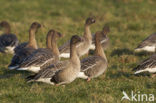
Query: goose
point(84, 47)
point(148, 65)
point(8, 41)
point(32, 40)
point(104, 39)
point(25, 49)
point(94, 66)
point(62, 72)
point(148, 45)
point(43, 57)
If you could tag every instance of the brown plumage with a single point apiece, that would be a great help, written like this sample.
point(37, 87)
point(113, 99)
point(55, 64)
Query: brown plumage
point(25, 49)
point(43, 57)
point(62, 72)
point(85, 45)
point(96, 65)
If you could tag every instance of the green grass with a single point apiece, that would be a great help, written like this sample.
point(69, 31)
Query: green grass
point(130, 22)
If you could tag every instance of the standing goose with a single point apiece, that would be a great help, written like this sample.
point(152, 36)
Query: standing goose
point(8, 41)
point(148, 65)
point(84, 47)
point(25, 49)
point(62, 72)
point(149, 44)
point(32, 40)
point(43, 57)
point(96, 65)
point(104, 39)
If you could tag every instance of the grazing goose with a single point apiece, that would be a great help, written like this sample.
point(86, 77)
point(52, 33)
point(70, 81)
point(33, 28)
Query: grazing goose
point(8, 41)
point(84, 47)
point(149, 44)
point(43, 57)
point(96, 65)
point(104, 39)
point(148, 65)
point(62, 72)
point(32, 40)
point(25, 49)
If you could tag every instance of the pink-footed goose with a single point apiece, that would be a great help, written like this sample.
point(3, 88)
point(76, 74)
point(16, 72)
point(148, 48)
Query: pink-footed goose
point(96, 65)
point(8, 41)
point(84, 47)
point(104, 40)
point(25, 49)
point(62, 72)
point(148, 65)
point(43, 57)
point(149, 44)
point(32, 40)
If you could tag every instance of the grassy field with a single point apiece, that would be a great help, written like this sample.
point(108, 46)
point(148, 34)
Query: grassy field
point(130, 22)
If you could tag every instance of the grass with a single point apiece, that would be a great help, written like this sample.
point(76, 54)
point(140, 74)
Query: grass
point(130, 21)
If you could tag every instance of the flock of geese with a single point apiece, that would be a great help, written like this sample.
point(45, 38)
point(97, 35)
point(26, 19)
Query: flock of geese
point(46, 65)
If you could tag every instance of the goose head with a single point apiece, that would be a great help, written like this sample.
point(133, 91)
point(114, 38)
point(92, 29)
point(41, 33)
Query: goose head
point(35, 26)
point(76, 40)
point(90, 20)
point(5, 25)
point(55, 34)
point(106, 30)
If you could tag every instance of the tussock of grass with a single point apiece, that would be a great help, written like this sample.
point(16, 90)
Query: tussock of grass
point(130, 21)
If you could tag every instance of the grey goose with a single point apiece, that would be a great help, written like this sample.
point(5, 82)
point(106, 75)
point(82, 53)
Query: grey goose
point(148, 65)
point(84, 47)
point(149, 44)
point(8, 41)
point(25, 49)
point(32, 40)
point(104, 39)
point(94, 66)
point(43, 57)
point(62, 72)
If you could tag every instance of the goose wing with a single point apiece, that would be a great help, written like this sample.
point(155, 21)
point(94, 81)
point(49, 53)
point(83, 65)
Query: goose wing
point(20, 46)
point(149, 41)
point(50, 71)
point(19, 57)
point(65, 48)
point(89, 63)
point(147, 63)
point(40, 57)
point(103, 39)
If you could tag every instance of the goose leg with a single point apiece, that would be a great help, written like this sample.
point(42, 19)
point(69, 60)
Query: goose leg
point(88, 79)
point(153, 75)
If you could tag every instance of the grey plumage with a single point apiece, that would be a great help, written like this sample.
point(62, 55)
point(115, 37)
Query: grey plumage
point(148, 65)
point(96, 65)
point(23, 50)
point(62, 72)
point(104, 40)
point(43, 57)
point(85, 45)
point(149, 44)
point(8, 41)
point(93, 66)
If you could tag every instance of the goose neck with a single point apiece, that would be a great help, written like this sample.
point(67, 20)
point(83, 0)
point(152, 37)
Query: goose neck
point(32, 40)
point(98, 48)
point(87, 32)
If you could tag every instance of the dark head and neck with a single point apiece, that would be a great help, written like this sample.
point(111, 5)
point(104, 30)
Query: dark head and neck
point(98, 47)
point(75, 40)
point(87, 32)
point(6, 26)
point(32, 31)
